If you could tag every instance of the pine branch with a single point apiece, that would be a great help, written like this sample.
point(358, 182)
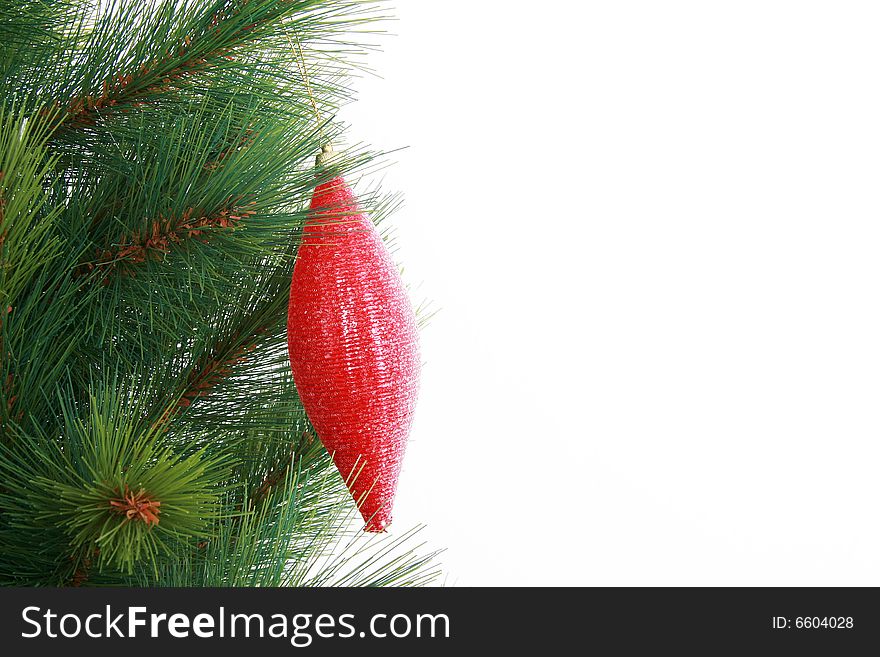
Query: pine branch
point(157, 242)
point(83, 568)
point(278, 472)
point(208, 42)
point(216, 366)
point(217, 362)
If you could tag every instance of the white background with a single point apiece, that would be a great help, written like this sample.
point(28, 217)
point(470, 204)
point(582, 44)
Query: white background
point(652, 232)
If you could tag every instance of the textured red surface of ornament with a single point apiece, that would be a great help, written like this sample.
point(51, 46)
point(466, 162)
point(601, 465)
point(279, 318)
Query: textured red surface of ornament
point(353, 344)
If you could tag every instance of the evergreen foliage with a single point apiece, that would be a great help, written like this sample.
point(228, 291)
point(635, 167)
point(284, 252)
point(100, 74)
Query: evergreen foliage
point(156, 163)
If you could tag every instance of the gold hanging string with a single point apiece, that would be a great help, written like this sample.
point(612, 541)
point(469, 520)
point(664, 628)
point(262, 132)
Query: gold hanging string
point(303, 71)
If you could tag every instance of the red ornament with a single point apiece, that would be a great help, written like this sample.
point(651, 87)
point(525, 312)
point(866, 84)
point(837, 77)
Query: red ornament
point(353, 344)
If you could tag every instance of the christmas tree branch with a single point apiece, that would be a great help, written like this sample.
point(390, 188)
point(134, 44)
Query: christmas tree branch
point(156, 242)
point(83, 568)
point(192, 53)
point(218, 361)
point(215, 366)
point(278, 472)
point(214, 39)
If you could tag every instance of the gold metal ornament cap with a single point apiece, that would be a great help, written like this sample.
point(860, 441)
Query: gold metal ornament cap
point(325, 156)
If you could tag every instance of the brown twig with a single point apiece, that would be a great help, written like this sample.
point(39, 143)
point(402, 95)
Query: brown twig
point(134, 88)
point(211, 368)
point(278, 472)
point(215, 367)
point(83, 569)
point(155, 242)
